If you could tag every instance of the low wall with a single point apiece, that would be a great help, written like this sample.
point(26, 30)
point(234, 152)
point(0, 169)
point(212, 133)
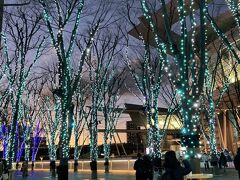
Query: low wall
point(114, 164)
point(84, 165)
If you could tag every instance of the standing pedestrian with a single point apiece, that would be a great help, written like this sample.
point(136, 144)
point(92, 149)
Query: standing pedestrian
point(236, 162)
point(205, 159)
point(173, 168)
point(148, 168)
point(222, 161)
point(139, 167)
point(157, 168)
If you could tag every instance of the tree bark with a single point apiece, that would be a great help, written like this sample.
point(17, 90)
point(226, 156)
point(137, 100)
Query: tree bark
point(106, 164)
point(32, 166)
point(93, 165)
point(75, 165)
point(62, 169)
point(53, 168)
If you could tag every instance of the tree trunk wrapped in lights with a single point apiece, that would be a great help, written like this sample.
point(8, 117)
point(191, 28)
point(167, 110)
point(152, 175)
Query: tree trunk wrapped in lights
point(4, 100)
point(19, 143)
point(51, 115)
point(210, 110)
point(36, 142)
point(96, 96)
point(231, 58)
point(28, 120)
point(80, 121)
point(111, 111)
point(152, 84)
point(148, 80)
point(100, 66)
point(216, 85)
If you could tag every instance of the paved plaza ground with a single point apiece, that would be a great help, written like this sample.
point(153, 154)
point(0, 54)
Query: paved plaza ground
point(230, 174)
point(41, 175)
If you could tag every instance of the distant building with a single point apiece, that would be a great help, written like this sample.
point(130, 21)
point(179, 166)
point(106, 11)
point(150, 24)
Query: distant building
point(133, 137)
point(137, 128)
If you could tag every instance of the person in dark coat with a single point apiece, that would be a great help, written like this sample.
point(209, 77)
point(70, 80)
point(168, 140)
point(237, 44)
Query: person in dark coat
point(148, 168)
point(173, 168)
point(157, 168)
point(222, 160)
point(139, 167)
point(236, 162)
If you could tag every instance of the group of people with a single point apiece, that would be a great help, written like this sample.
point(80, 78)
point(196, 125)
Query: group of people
point(174, 169)
point(221, 160)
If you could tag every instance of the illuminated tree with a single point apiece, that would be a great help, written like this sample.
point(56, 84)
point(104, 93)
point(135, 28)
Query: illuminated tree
point(230, 91)
point(23, 32)
point(235, 9)
point(191, 56)
point(111, 110)
point(26, 123)
point(100, 69)
point(212, 81)
point(80, 120)
point(4, 99)
point(50, 111)
point(223, 72)
point(37, 138)
point(50, 116)
point(168, 92)
point(2, 5)
point(232, 105)
point(4, 102)
point(64, 47)
point(148, 77)
point(29, 119)
point(20, 144)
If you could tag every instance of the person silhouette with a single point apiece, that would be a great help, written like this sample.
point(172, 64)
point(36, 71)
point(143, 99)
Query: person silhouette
point(205, 159)
point(148, 168)
point(173, 168)
point(236, 162)
point(138, 167)
point(222, 161)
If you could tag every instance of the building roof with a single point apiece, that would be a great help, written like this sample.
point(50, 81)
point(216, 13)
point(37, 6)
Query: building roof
point(223, 18)
point(137, 108)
